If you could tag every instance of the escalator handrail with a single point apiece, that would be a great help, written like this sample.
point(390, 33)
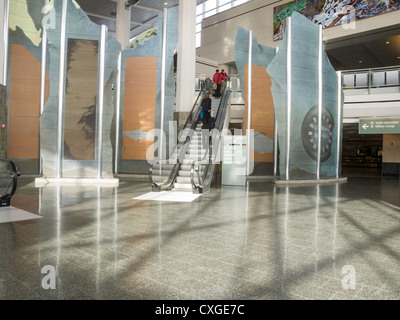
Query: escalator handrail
point(5, 199)
point(174, 172)
point(220, 119)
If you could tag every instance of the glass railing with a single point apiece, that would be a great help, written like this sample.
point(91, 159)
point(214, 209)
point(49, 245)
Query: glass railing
point(8, 181)
point(371, 78)
point(163, 172)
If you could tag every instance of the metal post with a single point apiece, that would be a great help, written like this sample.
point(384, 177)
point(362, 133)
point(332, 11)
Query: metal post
point(162, 98)
point(289, 94)
point(43, 82)
point(5, 39)
point(320, 47)
point(117, 112)
point(101, 102)
point(249, 75)
point(275, 137)
point(339, 124)
point(61, 81)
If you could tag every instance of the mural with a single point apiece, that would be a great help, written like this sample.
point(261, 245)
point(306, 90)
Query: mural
point(262, 112)
point(329, 13)
point(28, 126)
point(80, 100)
point(141, 91)
point(303, 135)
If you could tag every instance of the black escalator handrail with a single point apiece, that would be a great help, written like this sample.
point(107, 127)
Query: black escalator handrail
point(207, 158)
point(6, 198)
point(169, 183)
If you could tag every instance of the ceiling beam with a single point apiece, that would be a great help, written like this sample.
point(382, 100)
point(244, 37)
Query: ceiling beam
point(155, 17)
point(115, 19)
point(143, 7)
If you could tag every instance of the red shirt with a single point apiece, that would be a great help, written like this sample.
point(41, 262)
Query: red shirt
point(217, 78)
point(224, 75)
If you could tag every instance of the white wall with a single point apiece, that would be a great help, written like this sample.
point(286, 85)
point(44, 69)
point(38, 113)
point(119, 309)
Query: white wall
point(206, 67)
point(391, 148)
point(219, 31)
point(370, 105)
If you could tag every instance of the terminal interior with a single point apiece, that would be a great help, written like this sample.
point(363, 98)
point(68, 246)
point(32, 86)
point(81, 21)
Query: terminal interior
point(129, 236)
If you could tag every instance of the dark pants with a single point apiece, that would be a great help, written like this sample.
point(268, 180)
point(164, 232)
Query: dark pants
point(218, 91)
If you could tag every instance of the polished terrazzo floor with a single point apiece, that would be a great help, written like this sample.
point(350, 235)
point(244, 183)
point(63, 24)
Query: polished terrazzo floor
point(253, 242)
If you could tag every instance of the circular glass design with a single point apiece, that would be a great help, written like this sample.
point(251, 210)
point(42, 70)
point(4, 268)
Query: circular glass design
point(309, 133)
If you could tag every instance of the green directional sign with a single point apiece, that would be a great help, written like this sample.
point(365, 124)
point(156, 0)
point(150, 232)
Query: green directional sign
point(379, 125)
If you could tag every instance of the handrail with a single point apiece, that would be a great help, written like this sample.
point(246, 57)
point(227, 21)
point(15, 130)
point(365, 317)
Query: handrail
point(204, 181)
point(167, 185)
point(9, 190)
point(370, 82)
point(370, 69)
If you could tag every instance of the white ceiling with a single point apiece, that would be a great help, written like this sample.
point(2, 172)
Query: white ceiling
point(143, 15)
point(368, 50)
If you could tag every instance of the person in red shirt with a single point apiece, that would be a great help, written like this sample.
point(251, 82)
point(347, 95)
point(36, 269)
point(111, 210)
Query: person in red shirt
point(217, 79)
point(224, 76)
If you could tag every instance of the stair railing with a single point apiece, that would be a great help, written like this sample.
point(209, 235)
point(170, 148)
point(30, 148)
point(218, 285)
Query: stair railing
point(202, 171)
point(168, 169)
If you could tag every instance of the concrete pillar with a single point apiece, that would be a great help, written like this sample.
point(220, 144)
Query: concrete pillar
point(185, 91)
point(123, 23)
point(3, 89)
point(2, 44)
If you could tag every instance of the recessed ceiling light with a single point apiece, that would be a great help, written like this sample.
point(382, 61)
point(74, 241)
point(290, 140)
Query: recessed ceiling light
point(387, 42)
point(360, 61)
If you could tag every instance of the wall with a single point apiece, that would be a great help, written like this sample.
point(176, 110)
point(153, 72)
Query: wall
point(206, 67)
point(219, 31)
point(391, 155)
point(141, 96)
point(370, 105)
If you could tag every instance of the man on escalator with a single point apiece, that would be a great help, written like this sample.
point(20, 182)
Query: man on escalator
point(217, 80)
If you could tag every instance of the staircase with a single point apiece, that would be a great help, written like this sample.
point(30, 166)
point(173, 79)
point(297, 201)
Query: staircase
point(194, 152)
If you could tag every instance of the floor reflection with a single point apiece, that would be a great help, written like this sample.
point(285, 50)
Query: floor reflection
point(255, 241)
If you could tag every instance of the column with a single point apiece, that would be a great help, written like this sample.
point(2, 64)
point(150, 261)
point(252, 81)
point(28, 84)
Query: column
point(2, 44)
point(123, 24)
point(186, 56)
point(3, 78)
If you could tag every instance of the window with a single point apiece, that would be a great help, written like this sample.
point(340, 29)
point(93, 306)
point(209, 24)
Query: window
point(209, 8)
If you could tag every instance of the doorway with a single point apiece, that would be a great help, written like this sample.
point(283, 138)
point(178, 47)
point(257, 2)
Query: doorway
point(361, 153)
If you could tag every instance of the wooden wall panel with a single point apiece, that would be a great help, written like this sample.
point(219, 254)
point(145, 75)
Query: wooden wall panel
point(24, 104)
point(139, 104)
point(262, 107)
point(80, 100)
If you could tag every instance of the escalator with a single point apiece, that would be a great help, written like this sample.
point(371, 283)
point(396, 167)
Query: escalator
point(202, 171)
point(175, 172)
point(8, 181)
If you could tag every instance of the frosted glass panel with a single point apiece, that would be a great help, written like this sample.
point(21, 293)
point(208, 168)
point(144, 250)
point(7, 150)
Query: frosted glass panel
point(392, 77)
point(225, 7)
point(362, 80)
point(378, 78)
point(210, 4)
point(348, 80)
